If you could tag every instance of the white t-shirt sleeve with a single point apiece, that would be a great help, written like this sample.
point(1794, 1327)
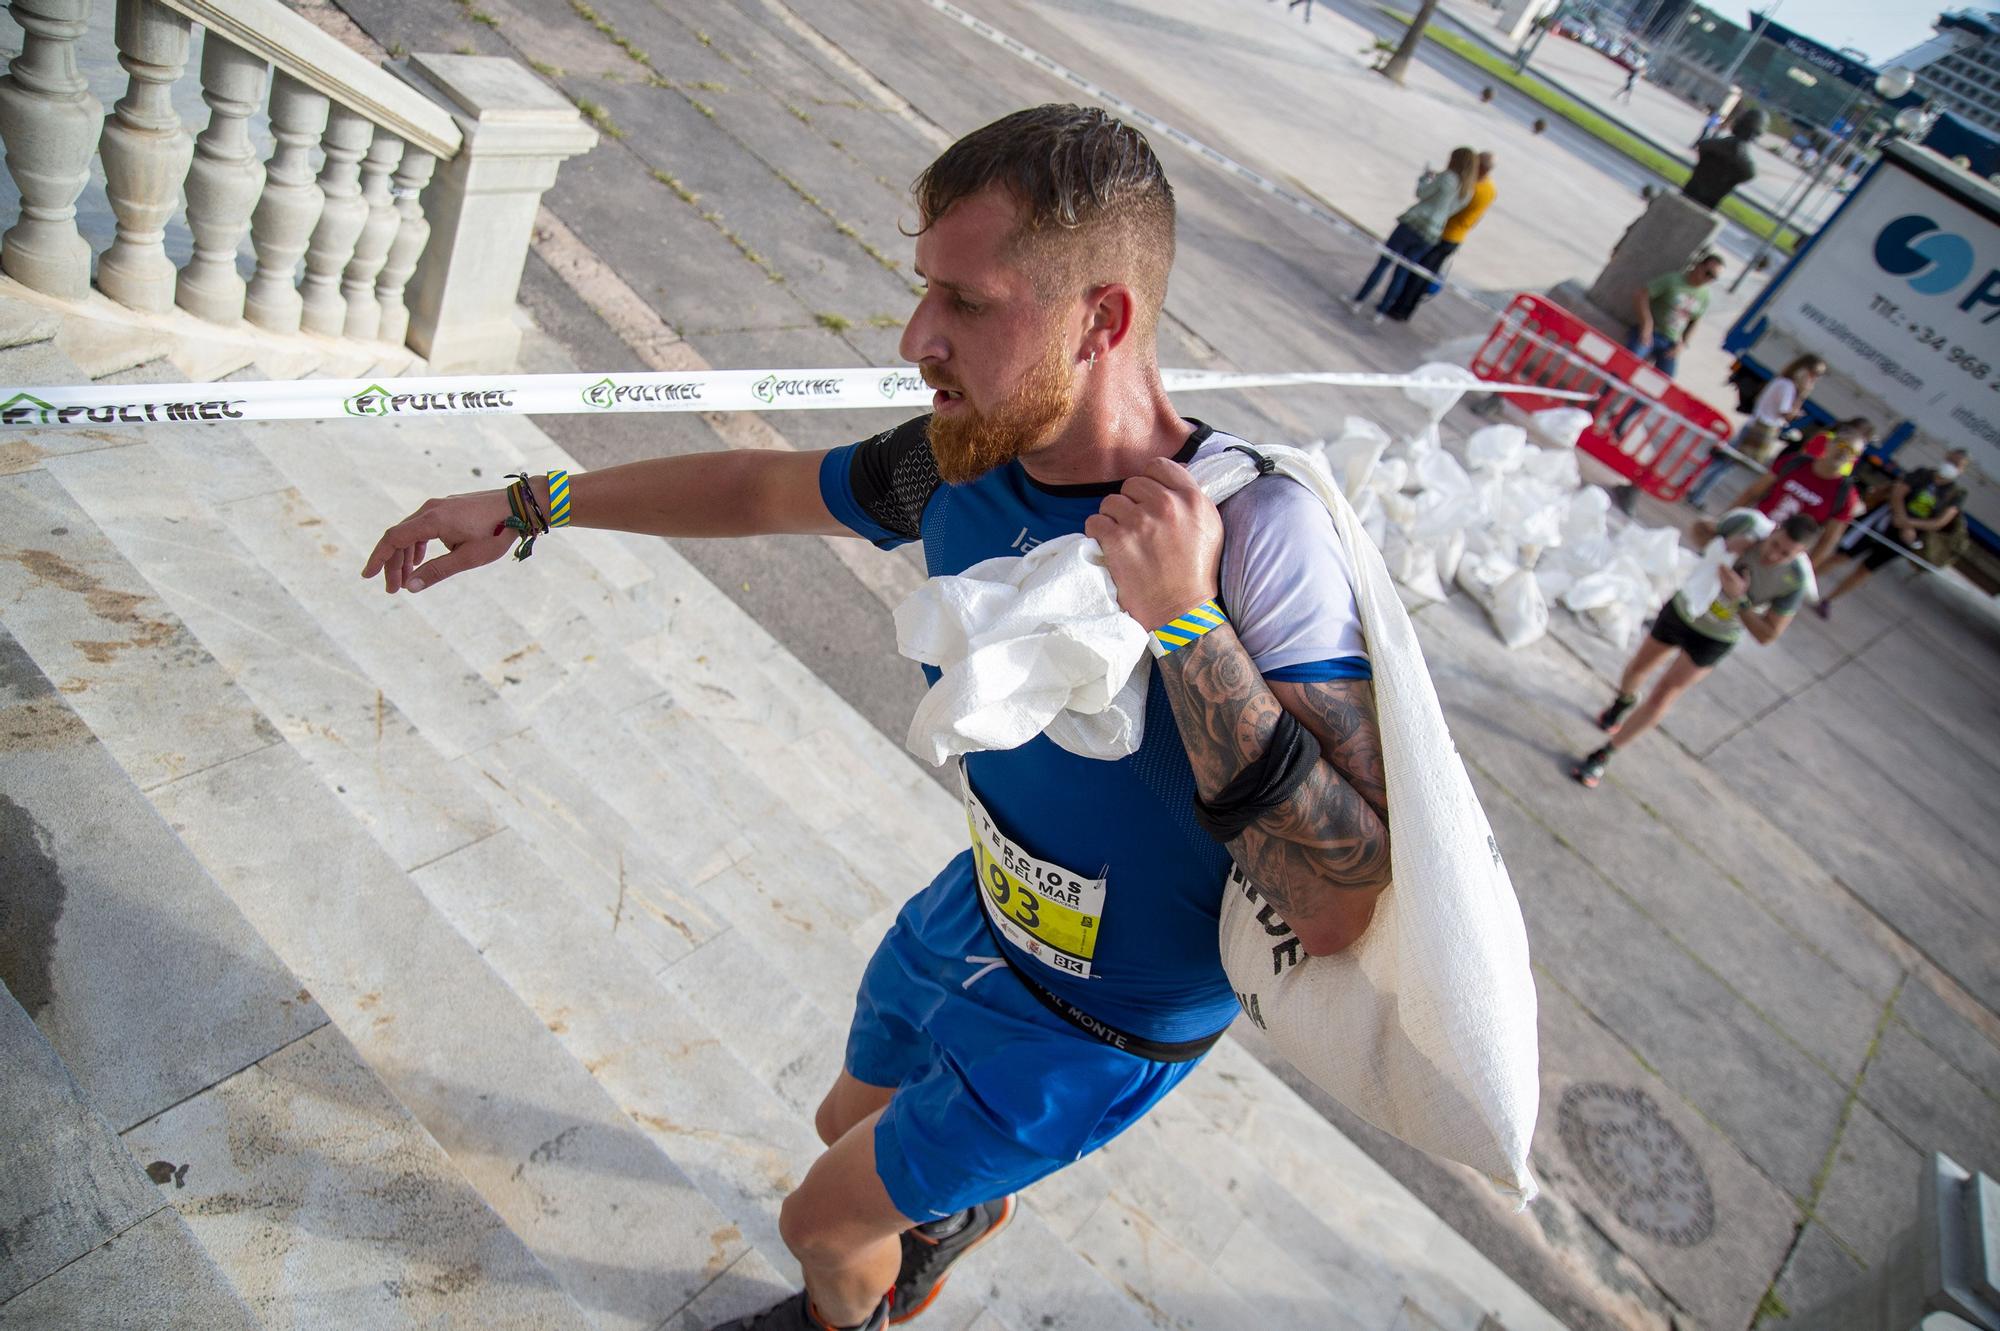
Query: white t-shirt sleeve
point(1286, 582)
point(1774, 405)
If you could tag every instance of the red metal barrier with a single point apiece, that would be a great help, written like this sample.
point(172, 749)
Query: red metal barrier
point(1643, 425)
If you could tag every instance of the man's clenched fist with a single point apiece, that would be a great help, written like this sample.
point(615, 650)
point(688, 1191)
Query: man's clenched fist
point(1162, 541)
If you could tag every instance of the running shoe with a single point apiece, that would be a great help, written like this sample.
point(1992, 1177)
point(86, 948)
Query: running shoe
point(1591, 770)
point(797, 1314)
point(1613, 716)
point(1823, 609)
point(929, 1251)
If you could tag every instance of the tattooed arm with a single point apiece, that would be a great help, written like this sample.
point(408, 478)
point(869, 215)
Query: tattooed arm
point(1322, 857)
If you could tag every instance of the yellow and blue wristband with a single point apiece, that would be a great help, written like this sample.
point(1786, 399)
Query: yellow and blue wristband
point(558, 499)
point(1186, 627)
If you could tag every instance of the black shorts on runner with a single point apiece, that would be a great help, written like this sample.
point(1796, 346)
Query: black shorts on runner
point(1671, 629)
point(1878, 556)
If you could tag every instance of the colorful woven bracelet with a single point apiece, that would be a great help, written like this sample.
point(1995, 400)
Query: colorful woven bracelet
point(1187, 626)
point(558, 499)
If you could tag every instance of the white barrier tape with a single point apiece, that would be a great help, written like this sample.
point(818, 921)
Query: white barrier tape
point(558, 394)
point(1256, 179)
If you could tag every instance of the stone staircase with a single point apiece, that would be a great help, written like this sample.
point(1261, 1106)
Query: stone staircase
point(478, 958)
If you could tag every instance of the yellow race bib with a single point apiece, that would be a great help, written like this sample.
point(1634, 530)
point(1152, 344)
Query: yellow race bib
point(1044, 909)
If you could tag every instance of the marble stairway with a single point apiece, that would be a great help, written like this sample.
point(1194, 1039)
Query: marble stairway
point(478, 958)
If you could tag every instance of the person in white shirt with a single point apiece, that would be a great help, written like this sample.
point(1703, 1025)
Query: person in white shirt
point(1783, 396)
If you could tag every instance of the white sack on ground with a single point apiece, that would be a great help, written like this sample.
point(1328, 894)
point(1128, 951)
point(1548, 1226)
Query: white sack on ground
point(1520, 614)
point(1499, 448)
point(1426, 1026)
point(1561, 426)
point(1352, 458)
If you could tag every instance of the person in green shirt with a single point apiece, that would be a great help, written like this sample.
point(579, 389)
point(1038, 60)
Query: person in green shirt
point(1668, 307)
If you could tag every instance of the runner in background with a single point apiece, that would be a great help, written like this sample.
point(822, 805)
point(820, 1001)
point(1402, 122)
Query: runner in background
point(1925, 501)
point(1761, 592)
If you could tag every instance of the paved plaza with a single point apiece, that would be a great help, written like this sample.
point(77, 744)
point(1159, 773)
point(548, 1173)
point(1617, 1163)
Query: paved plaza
point(1767, 949)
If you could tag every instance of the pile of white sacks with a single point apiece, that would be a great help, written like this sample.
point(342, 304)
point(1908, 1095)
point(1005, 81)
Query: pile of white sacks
point(1507, 518)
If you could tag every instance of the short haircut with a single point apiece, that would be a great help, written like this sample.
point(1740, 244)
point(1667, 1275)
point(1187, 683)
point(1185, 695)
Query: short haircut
point(1096, 205)
point(1801, 527)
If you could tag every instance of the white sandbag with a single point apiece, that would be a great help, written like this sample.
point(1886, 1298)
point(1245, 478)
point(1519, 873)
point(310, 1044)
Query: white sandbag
point(1561, 426)
point(1497, 448)
point(1391, 476)
point(1586, 517)
point(1414, 566)
point(1653, 549)
point(1519, 613)
point(1555, 466)
point(1480, 574)
point(1594, 590)
point(1426, 1026)
point(1400, 510)
point(1438, 402)
point(1617, 623)
point(1529, 511)
point(1554, 579)
point(1440, 471)
point(1353, 456)
point(1449, 551)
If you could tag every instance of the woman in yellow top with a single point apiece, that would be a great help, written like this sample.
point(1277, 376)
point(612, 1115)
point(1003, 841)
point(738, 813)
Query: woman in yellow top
point(1403, 303)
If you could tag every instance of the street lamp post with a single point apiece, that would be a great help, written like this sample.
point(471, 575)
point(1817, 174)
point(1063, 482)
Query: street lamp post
point(1890, 84)
point(1756, 31)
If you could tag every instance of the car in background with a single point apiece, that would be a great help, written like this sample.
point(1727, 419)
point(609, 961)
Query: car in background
point(1576, 29)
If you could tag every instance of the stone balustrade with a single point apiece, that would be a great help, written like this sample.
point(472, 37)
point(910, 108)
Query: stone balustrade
point(378, 219)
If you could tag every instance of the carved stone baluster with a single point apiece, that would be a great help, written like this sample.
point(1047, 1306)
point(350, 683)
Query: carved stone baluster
point(290, 205)
point(224, 182)
point(357, 283)
point(50, 123)
point(348, 135)
point(146, 152)
point(413, 230)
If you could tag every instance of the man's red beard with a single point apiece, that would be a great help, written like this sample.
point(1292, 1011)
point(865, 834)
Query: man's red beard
point(968, 444)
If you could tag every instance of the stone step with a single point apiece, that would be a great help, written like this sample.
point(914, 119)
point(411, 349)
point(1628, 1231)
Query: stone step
point(735, 1134)
point(90, 1241)
point(797, 1051)
point(195, 1041)
point(617, 1223)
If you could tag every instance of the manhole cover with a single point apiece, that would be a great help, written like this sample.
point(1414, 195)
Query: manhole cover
point(1638, 1162)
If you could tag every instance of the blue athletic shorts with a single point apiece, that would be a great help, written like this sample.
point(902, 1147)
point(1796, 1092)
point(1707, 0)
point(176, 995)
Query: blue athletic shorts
point(993, 1091)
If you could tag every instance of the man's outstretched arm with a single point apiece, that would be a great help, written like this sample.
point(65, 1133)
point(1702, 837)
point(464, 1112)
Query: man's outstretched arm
point(748, 493)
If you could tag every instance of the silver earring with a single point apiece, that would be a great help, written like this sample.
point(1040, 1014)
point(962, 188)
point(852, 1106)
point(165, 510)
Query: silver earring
point(1093, 361)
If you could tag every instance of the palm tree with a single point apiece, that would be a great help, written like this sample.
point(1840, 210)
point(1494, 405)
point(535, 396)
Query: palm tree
point(1400, 62)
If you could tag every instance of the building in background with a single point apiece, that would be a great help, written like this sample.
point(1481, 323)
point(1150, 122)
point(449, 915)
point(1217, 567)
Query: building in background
point(1805, 83)
point(1958, 70)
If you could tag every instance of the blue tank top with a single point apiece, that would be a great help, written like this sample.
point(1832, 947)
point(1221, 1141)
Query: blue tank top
point(1156, 968)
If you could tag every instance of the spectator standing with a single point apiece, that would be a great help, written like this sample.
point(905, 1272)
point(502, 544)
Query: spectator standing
point(1668, 308)
point(1419, 288)
point(1439, 195)
point(1781, 399)
point(1927, 500)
